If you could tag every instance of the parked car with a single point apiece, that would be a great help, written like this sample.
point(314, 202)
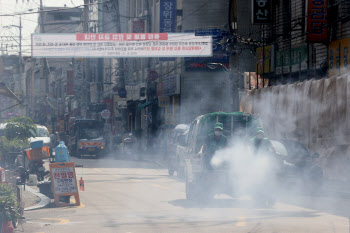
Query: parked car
point(176, 140)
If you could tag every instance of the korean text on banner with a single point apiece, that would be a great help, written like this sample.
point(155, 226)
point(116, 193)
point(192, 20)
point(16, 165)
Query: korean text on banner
point(317, 21)
point(121, 45)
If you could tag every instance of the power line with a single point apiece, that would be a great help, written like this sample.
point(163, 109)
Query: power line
point(53, 10)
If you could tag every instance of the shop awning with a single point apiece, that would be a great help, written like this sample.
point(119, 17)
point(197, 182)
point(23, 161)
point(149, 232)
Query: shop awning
point(5, 91)
point(141, 106)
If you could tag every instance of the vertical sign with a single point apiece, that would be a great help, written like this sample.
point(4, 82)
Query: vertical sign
point(265, 58)
point(70, 82)
point(167, 20)
point(167, 16)
point(261, 12)
point(317, 21)
point(78, 73)
point(338, 57)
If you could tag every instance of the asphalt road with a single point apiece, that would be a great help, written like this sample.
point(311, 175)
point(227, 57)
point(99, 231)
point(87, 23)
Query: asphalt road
point(134, 196)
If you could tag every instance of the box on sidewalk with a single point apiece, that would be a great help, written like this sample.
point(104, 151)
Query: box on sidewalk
point(37, 144)
point(38, 153)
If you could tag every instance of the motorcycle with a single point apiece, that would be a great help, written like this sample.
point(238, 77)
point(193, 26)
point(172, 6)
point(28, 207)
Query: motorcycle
point(37, 168)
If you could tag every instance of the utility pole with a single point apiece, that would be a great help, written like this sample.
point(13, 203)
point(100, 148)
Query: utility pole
point(44, 61)
point(86, 78)
point(234, 72)
point(121, 81)
point(20, 52)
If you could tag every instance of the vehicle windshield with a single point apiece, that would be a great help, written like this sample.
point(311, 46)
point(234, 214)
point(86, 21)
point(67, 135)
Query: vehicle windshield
point(40, 132)
point(90, 133)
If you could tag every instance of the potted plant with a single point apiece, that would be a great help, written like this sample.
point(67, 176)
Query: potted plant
point(8, 208)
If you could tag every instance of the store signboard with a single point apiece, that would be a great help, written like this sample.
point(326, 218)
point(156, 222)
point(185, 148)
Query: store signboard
point(171, 85)
point(70, 82)
point(299, 60)
point(121, 45)
point(317, 21)
point(338, 57)
point(78, 74)
point(262, 11)
point(64, 182)
point(265, 57)
point(167, 15)
point(130, 90)
point(136, 92)
point(163, 101)
point(167, 20)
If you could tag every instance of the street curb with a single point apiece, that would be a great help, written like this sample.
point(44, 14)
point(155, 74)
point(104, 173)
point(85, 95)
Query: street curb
point(44, 200)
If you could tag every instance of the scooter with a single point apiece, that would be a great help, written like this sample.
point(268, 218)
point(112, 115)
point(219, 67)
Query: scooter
point(37, 168)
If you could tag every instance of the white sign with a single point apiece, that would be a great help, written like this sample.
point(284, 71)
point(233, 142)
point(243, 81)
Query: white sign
point(106, 114)
point(136, 93)
point(130, 90)
point(121, 45)
point(122, 103)
point(64, 180)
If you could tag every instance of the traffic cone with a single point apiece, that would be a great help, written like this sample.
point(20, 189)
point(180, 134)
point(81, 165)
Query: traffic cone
point(81, 184)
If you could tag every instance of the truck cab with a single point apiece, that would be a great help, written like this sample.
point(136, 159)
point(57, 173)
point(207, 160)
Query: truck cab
point(200, 181)
point(86, 138)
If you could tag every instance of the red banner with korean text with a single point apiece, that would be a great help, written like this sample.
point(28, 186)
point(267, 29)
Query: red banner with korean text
point(317, 21)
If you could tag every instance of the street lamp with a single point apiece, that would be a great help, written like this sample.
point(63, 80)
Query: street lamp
point(235, 95)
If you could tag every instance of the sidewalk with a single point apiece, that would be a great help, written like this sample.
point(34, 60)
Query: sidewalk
point(33, 199)
point(29, 198)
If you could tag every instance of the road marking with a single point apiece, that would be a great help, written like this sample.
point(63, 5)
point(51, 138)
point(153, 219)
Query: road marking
point(105, 172)
point(159, 186)
point(78, 207)
point(61, 220)
point(241, 222)
point(135, 180)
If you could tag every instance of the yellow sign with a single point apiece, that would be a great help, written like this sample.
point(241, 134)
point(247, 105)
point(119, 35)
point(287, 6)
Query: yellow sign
point(163, 101)
point(338, 57)
point(268, 65)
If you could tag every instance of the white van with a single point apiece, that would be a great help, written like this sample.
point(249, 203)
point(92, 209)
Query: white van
point(41, 134)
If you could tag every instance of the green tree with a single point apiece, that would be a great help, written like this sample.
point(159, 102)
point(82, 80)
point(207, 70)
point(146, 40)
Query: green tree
point(16, 134)
point(20, 128)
